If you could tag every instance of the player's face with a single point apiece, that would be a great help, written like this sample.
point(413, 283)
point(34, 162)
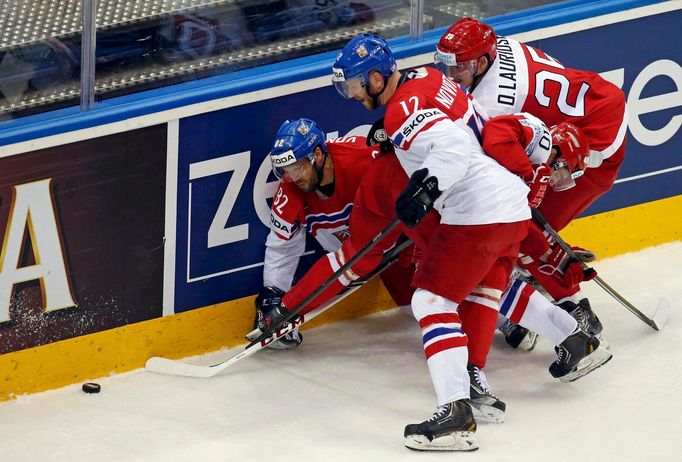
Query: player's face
point(375, 86)
point(366, 100)
point(302, 173)
point(463, 73)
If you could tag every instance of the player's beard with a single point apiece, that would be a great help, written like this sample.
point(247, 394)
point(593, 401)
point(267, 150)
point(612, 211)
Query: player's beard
point(310, 184)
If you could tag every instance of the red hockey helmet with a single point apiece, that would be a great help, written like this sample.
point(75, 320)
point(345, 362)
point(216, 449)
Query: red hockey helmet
point(468, 39)
point(572, 153)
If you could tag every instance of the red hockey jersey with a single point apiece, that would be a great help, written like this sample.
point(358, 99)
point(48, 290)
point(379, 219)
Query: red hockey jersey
point(517, 141)
point(294, 212)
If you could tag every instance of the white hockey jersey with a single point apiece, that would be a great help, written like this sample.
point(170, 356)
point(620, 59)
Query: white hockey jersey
point(525, 79)
point(433, 124)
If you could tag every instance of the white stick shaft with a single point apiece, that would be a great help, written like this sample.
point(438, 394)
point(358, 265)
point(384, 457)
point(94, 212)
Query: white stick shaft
point(173, 367)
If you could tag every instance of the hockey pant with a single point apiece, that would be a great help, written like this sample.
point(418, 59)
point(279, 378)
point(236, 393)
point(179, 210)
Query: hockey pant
point(460, 282)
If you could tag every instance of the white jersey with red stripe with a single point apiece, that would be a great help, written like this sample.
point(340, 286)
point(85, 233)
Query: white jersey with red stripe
point(434, 124)
point(326, 218)
point(525, 79)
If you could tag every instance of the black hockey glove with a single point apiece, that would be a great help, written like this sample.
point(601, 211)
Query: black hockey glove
point(377, 135)
point(267, 299)
point(417, 198)
point(270, 311)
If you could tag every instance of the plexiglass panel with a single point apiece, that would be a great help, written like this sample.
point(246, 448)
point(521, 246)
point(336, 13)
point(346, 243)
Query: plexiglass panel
point(193, 39)
point(144, 44)
point(439, 13)
point(39, 55)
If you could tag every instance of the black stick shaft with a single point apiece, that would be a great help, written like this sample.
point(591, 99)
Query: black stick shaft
point(609, 290)
point(361, 253)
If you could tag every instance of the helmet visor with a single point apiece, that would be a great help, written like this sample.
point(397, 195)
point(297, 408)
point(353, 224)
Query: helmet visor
point(448, 65)
point(350, 88)
point(292, 172)
point(562, 178)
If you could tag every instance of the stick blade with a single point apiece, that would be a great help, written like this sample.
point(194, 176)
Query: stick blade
point(661, 314)
point(172, 367)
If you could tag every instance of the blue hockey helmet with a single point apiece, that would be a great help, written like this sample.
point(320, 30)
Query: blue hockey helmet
point(295, 140)
point(361, 56)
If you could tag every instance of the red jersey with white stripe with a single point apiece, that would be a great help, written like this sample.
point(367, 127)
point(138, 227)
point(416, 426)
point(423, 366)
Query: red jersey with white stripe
point(525, 79)
point(326, 218)
point(434, 124)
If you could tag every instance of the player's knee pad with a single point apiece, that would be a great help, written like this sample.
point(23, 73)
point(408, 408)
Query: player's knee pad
point(425, 303)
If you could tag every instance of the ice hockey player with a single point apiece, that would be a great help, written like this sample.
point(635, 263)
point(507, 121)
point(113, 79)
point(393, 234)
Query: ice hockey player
point(318, 181)
point(373, 210)
point(506, 76)
point(483, 210)
point(545, 159)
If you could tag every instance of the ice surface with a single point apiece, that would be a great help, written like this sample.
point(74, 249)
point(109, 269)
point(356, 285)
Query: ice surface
point(348, 392)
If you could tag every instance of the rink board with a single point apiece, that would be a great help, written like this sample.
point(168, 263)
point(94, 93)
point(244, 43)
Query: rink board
point(162, 241)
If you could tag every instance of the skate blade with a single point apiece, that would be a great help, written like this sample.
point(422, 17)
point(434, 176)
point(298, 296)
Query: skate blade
point(602, 341)
point(456, 441)
point(593, 361)
point(529, 341)
point(485, 414)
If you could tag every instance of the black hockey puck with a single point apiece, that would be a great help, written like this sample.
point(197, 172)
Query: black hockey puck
point(91, 387)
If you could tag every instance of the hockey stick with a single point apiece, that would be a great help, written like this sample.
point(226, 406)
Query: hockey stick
point(662, 311)
point(337, 274)
point(173, 367)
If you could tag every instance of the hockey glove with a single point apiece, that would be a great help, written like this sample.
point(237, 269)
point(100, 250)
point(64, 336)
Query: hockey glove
point(377, 135)
point(268, 298)
point(417, 198)
point(565, 270)
point(270, 311)
point(537, 182)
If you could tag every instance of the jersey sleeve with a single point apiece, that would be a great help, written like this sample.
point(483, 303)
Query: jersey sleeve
point(286, 243)
point(281, 259)
point(504, 140)
point(287, 212)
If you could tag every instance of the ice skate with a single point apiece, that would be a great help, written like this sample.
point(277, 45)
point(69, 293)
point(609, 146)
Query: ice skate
point(583, 313)
point(450, 428)
point(577, 356)
point(586, 317)
point(519, 337)
point(487, 408)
